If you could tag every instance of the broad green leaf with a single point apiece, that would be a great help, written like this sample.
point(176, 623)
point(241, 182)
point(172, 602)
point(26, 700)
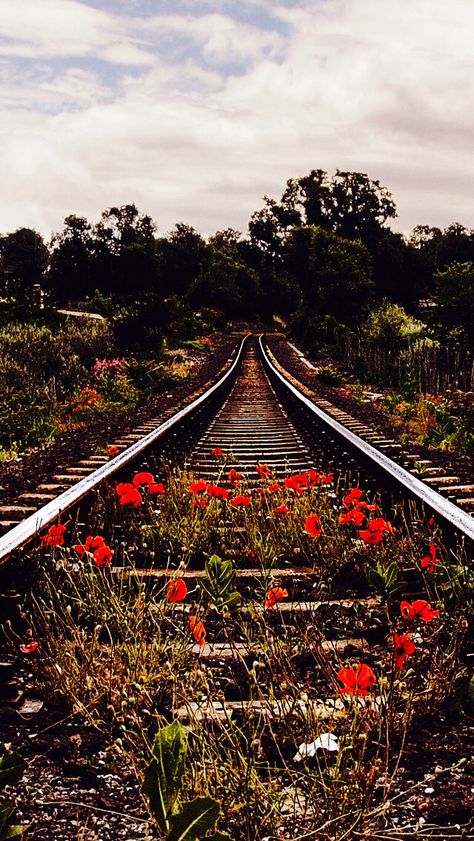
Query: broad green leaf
point(12, 768)
point(195, 819)
point(163, 778)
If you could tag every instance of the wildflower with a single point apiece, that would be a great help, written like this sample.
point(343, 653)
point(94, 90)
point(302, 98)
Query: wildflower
point(312, 477)
point(403, 648)
point(29, 648)
point(217, 492)
point(113, 450)
point(420, 608)
point(431, 521)
point(143, 479)
point(176, 590)
point(326, 741)
point(352, 497)
point(54, 536)
point(357, 680)
point(429, 562)
point(274, 488)
point(103, 556)
point(282, 509)
point(274, 595)
point(198, 630)
point(327, 478)
point(313, 526)
point(90, 544)
point(217, 452)
point(200, 503)
point(365, 505)
point(376, 530)
point(353, 516)
point(129, 494)
point(263, 471)
point(240, 501)
point(233, 476)
point(156, 488)
point(295, 483)
point(198, 487)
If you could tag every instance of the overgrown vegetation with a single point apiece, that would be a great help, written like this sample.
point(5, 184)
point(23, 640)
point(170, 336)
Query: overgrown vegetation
point(294, 726)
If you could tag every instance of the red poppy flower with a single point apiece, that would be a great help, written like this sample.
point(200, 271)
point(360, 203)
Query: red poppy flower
point(295, 483)
point(274, 595)
point(156, 488)
point(113, 450)
point(353, 516)
point(198, 487)
point(327, 479)
point(240, 501)
point(129, 494)
point(274, 488)
point(420, 608)
point(371, 536)
point(217, 452)
point(352, 497)
point(90, 544)
point(282, 509)
point(143, 479)
point(379, 524)
point(357, 680)
point(103, 556)
point(218, 492)
point(233, 476)
point(431, 521)
point(54, 536)
point(29, 648)
point(263, 471)
point(313, 526)
point(176, 590)
point(429, 562)
point(312, 477)
point(376, 530)
point(365, 505)
point(403, 648)
point(198, 630)
point(200, 503)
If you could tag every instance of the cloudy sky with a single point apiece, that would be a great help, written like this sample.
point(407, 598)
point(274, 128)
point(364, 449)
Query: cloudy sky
point(194, 109)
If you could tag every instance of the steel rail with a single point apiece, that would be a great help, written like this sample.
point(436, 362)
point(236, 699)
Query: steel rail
point(451, 513)
point(17, 537)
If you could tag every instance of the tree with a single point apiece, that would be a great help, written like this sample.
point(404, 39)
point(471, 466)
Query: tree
point(226, 280)
point(24, 259)
point(349, 204)
point(125, 259)
point(181, 258)
point(334, 273)
point(72, 260)
point(454, 297)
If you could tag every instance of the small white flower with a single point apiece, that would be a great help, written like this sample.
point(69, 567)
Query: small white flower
point(326, 741)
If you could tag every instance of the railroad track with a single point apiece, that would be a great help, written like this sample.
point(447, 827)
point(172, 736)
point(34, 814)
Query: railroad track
point(257, 417)
point(262, 415)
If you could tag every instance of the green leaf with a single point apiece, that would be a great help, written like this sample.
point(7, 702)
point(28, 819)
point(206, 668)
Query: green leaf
point(12, 768)
point(195, 819)
point(163, 778)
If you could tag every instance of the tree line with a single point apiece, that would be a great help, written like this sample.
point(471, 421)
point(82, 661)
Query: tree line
point(322, 255)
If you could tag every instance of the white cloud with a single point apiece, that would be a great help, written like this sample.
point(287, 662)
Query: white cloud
point(355, 84)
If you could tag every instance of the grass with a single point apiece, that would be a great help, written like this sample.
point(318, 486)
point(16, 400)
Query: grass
point(124, 654)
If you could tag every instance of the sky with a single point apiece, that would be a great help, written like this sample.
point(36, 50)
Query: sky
point(195, 109)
